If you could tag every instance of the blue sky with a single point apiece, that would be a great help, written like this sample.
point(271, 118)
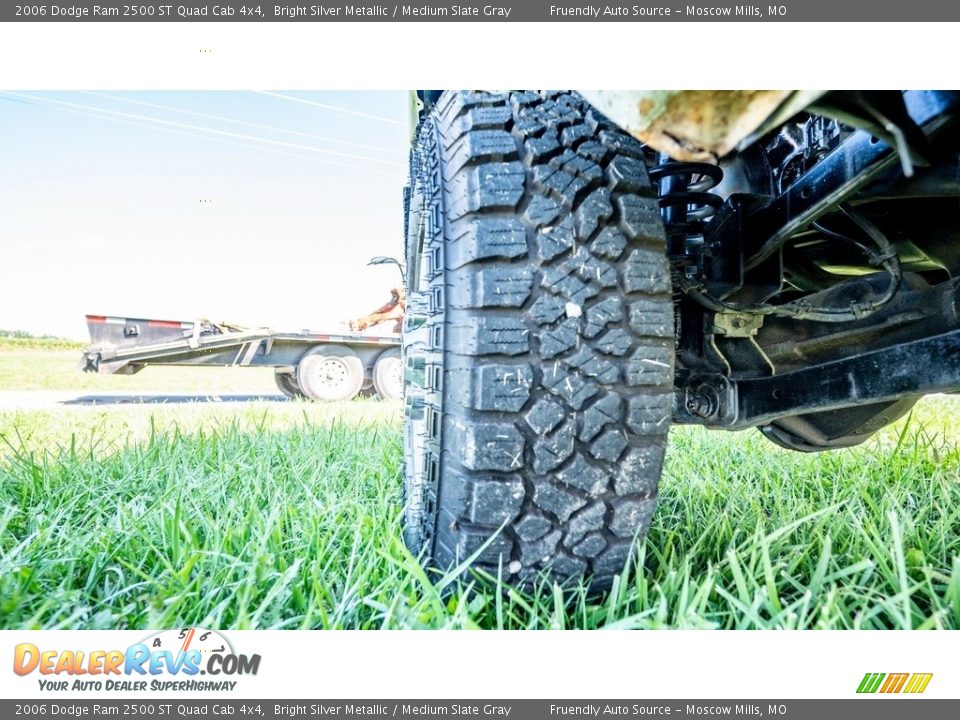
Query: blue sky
point(115, 205)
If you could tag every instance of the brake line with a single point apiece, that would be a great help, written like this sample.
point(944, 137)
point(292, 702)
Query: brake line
point(884, 256)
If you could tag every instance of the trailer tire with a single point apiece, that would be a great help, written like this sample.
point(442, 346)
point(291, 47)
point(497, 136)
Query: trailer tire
point(538, 341)
point(329, 373)
point(287, 383)
point(388, 375)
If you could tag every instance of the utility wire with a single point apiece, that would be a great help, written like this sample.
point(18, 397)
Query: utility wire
point(325, 106)
point(227, 142)
point(242, 122)
point(225, 133)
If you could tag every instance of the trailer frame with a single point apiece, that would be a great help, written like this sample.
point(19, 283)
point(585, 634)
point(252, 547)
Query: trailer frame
point(125, 346)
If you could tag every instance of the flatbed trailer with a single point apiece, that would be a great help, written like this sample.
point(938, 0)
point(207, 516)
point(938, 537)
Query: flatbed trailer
point(307, 364)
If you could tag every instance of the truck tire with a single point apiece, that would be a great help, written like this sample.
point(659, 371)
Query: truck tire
point(538, 339)
point(330, 373)
point(388, 375)
point(287, 383)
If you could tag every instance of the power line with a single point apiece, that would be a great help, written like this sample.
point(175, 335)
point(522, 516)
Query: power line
point(243, 122)
point(228, 142)
point(325, 106)
point(226, 133)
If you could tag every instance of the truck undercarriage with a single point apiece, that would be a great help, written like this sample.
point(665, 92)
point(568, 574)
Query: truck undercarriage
point(823, 259)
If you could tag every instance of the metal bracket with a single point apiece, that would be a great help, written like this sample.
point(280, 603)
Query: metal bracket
point(910, 369)
point(737, 325)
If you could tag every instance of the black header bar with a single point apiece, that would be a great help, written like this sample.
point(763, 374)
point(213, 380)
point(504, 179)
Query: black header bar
point(498, 11)
point(228, 708)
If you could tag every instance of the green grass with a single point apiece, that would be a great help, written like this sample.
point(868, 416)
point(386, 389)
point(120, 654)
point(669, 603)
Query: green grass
point(19, 340)
point(17, 343)
point(267, 515)
point(35, 368)
point(289, 516)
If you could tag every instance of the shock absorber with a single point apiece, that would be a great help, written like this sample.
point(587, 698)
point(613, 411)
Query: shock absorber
point(686, 201)
point(686, 204)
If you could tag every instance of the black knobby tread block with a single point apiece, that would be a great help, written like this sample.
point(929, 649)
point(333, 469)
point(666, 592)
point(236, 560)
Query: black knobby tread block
point(543, 147)
point(540, 551)
point(592, 269)
point(649, 365)
point(609, 243)
point(601, 413)
point(640, 218)
point(645, 413)
point(629, 514)
point(558, 338)
point(557, 500)
point(588, 519)
point(629, 175)
point(594, 208)
point(478, 118)
point(602, 313)
point(484, 238)
point(489, 286)
point(593, 365)
point(492, 186)
point(490, 549)
point(609, 446)
point(484, 335)
point(558, 311)
point(479, 145)
point(546, 309)
point(613, 558)
point(634, 476)
point(545, 415)
point(551, 450)
point(500, 387)
point(569, 286)
point(579, 473)
point(486, 446)
point(646, 271)
point(495, 501)
point(651, 318)
point(555, 240)
point(568, 385)
point(584, 167)
point(542, 210)
point(591, 545)
point(614, 342)
point(563, 565)
point(532, 527)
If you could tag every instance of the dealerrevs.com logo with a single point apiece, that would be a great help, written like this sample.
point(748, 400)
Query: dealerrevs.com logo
point(170, 660)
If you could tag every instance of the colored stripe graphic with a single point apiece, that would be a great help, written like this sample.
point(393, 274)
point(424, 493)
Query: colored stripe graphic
point(893, 683)
point(918, 682)
point(870, 682)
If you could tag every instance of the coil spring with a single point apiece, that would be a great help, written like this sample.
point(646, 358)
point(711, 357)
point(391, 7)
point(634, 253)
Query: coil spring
point(686, 204)
point(685, 200)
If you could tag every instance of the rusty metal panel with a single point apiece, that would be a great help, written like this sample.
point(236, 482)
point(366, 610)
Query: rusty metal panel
point(696, 125)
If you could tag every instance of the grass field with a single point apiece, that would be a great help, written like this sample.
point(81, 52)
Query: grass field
point(38, 368)
point(287, 515)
